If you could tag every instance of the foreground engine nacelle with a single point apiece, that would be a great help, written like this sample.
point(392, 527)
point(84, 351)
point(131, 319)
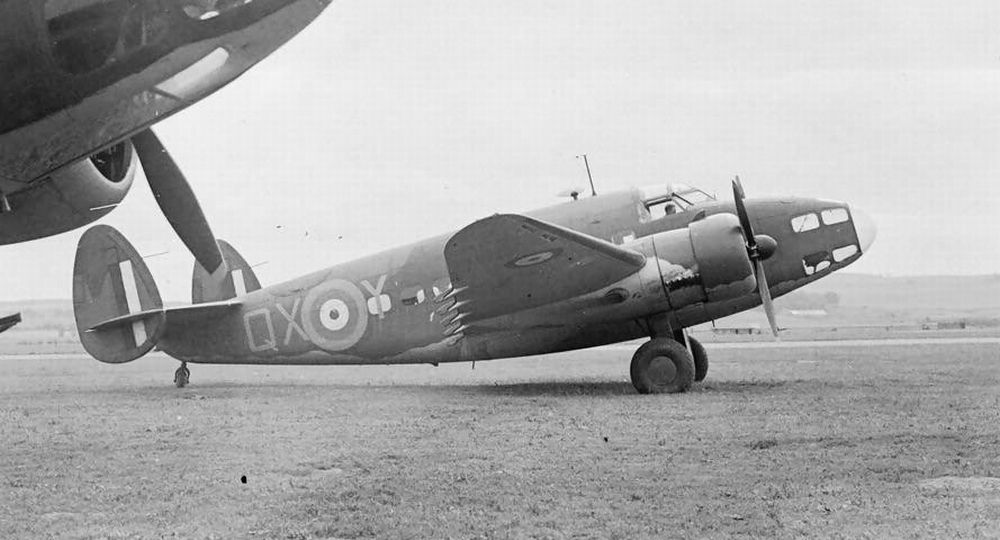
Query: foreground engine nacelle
point(71, 197)
point(705, 262)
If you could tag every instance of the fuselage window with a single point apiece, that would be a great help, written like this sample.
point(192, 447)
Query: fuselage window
point(412, 296)
point(204, 10)
point(816, 262)
point(832, 216)
point(806, 222)
point(843, 253)
point(86, 35)
point(196, 77)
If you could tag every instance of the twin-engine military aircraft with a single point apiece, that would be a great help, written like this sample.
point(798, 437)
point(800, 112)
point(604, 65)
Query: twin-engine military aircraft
point(81, 81)
point(584, 273)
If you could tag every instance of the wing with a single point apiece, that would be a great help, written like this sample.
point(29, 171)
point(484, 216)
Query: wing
point(508, 263)
point(7, 322)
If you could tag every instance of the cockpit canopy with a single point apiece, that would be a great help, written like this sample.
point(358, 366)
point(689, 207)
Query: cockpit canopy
point(87, 35)
point(663, 200)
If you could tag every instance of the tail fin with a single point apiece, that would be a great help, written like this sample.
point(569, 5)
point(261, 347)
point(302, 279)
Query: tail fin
point(238, 281)
point(117, 307)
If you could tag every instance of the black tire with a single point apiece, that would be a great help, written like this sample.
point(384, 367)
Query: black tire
point(700, 359)
point(662, 366)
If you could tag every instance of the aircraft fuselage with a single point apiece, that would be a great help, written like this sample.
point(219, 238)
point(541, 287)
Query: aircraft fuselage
point(391, 307)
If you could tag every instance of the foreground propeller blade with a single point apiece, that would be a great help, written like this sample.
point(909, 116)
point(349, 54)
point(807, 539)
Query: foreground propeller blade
point(177, 201)
point(765, 296)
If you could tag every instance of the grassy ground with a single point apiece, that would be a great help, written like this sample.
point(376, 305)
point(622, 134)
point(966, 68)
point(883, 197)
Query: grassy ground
point(851, 442)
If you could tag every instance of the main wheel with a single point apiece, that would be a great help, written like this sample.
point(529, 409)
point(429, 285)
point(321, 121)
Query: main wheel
point(182, 376)
point(700, 359)
point(662, 365)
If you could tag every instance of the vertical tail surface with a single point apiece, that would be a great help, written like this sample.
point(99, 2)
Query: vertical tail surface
point(115, 301)
point(237, 281)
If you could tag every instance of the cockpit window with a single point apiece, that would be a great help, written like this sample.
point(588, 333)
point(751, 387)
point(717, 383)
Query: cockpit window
point(86, 35)
point(661, 201)
point(805, 222)
point(832, 216)
point(687, 196)
point(204, 10)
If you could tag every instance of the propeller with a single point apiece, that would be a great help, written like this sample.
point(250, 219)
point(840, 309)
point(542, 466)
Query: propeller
point(759, 248)
point(177, 201)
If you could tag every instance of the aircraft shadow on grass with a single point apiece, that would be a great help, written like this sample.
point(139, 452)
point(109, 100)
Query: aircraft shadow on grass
point(222, 389)
point(613, 388)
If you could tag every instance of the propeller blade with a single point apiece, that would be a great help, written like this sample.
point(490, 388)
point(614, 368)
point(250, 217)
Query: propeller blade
point(738, 188)
point(177, 201)
point(741, 212)
point(765, 297)
point(756, 254)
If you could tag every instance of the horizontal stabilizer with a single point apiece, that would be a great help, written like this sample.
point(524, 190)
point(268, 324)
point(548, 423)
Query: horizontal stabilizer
point(111, 281)
point(238, 280)
point(508, 263)
point(172, 314)
point(180, 318)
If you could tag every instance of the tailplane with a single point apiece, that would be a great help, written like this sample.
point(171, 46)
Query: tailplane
point(118, 310)
point(238, 281)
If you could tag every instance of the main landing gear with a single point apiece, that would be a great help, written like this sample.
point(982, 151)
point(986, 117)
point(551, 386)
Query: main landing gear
point(664, 365)
point(182, 376)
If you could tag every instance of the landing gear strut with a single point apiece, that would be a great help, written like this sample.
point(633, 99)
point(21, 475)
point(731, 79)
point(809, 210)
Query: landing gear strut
point(182, 376)
point(662, 366)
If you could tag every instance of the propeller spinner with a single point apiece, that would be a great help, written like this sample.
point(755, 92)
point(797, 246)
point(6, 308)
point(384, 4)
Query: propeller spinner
point(759, 248)
point(178, 201)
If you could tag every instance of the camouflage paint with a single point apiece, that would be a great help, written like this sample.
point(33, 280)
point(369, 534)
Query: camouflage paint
point(354, 313)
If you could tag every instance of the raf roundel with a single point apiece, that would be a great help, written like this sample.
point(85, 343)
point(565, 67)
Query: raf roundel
point(533, 259)
point(334, 315)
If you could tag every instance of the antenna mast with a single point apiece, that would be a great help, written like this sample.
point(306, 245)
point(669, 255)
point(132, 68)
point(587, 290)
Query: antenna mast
point(593, 192)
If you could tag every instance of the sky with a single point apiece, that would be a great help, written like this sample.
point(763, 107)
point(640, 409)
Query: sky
point(385, 122)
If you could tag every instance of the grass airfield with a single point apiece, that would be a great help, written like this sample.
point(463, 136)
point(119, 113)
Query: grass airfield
point(849, 441)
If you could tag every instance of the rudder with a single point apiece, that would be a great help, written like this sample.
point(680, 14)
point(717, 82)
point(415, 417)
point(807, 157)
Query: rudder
point(237, 281)
point(116, 304)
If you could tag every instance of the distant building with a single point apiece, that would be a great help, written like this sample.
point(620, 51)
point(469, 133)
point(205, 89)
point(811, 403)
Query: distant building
point(951, 325)
point(808, 312)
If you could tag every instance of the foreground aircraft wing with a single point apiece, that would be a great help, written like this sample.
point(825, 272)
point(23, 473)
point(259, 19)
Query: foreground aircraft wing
point(508, 263)
point(7, 322)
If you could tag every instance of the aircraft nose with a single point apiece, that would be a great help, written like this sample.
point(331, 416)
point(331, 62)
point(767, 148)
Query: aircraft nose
point(864, 227)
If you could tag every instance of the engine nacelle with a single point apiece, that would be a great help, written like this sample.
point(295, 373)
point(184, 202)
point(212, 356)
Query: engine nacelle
point(705, 262)
point(71, 197)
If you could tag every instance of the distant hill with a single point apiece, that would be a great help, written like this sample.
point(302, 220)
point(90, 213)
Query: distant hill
point(42, 314)
point(846, 299)
point(917, 297)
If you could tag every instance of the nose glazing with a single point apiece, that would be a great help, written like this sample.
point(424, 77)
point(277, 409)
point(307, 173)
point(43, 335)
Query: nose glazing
point(864, 228)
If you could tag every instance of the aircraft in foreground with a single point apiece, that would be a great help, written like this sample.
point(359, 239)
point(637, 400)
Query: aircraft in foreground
point(81, 81)
point(584, 273)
